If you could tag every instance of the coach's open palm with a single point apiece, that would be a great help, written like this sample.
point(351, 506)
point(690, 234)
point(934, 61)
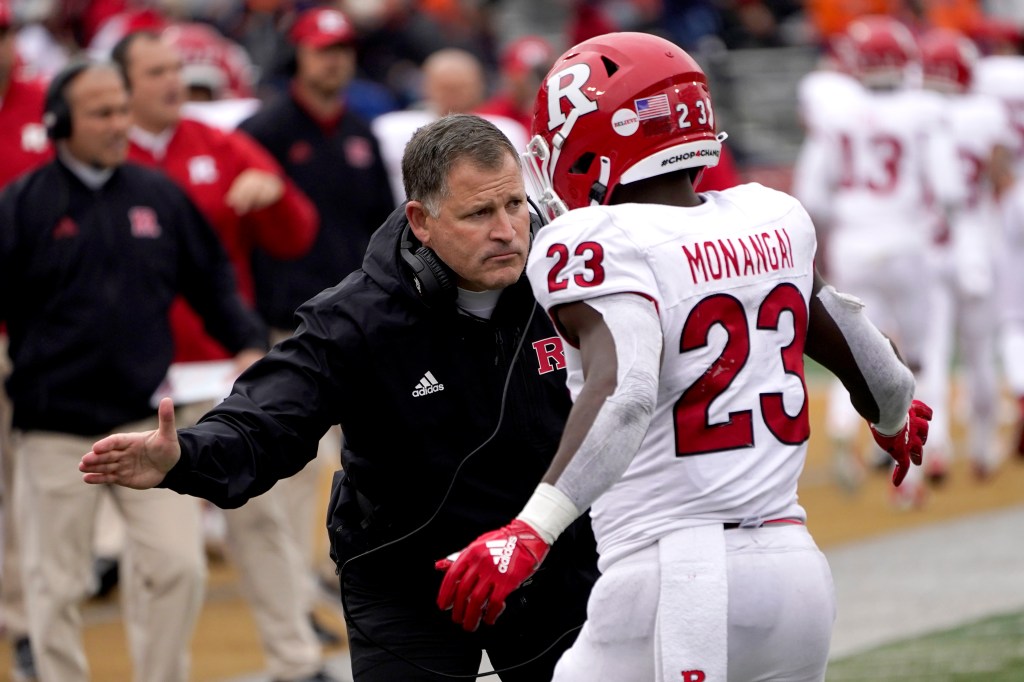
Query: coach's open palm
point(135, 460)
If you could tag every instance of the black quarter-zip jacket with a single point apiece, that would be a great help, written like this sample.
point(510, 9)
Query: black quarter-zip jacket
point(87, 277)
point(418, 392)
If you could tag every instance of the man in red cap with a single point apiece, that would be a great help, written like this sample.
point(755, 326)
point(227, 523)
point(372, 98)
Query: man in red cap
point(23, 146)
point(330, 152)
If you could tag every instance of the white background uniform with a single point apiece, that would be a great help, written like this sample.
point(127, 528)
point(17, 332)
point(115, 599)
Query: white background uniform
point(885, 189)
point(1003, 78)
point(822, 97)
point(962, 306)
point(731, 280)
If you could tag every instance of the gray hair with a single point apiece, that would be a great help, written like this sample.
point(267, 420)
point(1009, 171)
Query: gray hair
point(437, 147)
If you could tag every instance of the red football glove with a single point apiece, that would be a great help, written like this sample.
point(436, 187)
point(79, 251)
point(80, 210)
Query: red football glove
point(477, 583)
point(907, 445)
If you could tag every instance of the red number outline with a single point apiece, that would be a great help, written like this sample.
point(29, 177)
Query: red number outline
point(694, 434)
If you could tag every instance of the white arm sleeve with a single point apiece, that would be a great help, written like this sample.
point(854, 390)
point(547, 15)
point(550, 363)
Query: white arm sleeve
point(890, 381)
point(620, 425)
point(622, 421)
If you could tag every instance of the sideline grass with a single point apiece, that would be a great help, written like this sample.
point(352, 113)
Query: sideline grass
point(990, 650)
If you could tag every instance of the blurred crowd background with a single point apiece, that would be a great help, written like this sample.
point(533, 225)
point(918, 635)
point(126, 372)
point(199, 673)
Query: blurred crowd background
point(754, 50)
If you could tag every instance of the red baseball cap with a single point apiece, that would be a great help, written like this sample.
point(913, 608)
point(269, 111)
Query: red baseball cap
point(321, 27)
point(6, 18)
point(528, 53)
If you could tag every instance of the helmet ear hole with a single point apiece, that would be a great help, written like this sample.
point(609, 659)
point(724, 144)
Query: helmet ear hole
point(609, 66)
point(582, 164)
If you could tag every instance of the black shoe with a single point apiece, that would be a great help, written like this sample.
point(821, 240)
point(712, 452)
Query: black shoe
point(24, 663)
point(324, 634)
point(106, 573)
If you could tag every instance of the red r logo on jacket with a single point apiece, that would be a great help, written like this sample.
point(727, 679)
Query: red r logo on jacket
point(550, 355)
point(144, 222)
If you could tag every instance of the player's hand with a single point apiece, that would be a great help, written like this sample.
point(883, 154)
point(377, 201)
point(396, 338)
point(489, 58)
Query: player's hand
point(254, 189)
point(482, 576)
point(907, 445)
point(135, 460)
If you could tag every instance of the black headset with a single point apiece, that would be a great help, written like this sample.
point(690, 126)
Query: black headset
point(434, 280)
point(57, 111)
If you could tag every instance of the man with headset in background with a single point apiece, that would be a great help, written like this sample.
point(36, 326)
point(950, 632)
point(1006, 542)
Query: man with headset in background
point(92, 252)
point(449, 385)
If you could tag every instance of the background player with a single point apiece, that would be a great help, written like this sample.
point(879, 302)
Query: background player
point(884, 175)
point(963, 307)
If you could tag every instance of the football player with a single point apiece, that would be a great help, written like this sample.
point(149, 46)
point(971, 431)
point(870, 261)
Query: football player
point(886, 197)
point(686, 317)
point(963, 307)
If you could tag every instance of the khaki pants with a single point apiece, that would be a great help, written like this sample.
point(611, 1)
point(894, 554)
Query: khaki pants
point(303, 503)
point(12, 599)
point(263, 546)
point(163, 568)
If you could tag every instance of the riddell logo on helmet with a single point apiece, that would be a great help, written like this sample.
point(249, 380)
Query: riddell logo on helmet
point(700, 153)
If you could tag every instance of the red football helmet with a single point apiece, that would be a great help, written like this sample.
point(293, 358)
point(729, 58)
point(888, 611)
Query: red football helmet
point(947, 60)
point(210, 60)
point(615, 109)
point(882, 48)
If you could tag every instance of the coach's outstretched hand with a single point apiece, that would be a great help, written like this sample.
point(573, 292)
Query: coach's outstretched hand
point(135, 460)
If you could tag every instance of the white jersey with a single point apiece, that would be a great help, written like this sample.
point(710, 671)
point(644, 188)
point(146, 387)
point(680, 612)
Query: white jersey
point(823, 93)
point(824, 97)
point(731, 279)
point(1002, 77)
point(394, 129)
point(978, 124)
point(885, 154)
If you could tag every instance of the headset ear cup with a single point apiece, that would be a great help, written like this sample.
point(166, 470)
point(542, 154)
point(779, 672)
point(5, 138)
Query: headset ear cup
point(57, 111)
point(436, 277)
point(435, 281)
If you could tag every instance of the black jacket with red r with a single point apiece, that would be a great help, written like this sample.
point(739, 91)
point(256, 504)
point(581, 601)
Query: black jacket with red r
point(420, 393)
point(87, 277)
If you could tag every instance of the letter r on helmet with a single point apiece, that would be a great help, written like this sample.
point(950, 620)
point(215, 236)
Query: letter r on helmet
point(578, 74)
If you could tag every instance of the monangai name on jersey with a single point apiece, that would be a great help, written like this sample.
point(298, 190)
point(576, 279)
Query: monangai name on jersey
point(731, 280)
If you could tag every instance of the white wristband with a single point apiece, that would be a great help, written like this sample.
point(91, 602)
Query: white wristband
point(549, 511)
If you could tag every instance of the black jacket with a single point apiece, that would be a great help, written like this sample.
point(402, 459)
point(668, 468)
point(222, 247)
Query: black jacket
point(86, 281)
point(359, 358)
point(343, 175)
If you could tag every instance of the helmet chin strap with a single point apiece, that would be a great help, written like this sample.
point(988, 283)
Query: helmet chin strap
point(599, 190)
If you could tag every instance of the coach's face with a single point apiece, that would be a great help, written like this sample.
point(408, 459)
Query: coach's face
point(100, 118)
point(482, 230)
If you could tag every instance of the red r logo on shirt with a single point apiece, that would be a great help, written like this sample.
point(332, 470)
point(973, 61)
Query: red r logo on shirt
point(550, 355)
point(144, 222)
point(694, 676)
